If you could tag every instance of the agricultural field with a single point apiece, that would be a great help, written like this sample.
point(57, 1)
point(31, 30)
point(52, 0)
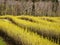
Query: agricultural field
point(29, 30)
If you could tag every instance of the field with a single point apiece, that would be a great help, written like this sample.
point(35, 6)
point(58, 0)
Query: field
point(29, 30)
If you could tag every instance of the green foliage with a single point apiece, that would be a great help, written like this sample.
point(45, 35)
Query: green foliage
point(54, 0)
point(2, 42)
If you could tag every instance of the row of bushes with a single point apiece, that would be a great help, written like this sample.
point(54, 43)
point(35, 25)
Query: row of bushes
point(48, 29)
point(22, 36)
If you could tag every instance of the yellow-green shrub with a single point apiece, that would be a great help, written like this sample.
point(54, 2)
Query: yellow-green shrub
point(46, 30)
point(27, 38)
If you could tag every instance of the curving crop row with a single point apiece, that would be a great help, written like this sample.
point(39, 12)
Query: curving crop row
point(22, 36)
point(44, 30)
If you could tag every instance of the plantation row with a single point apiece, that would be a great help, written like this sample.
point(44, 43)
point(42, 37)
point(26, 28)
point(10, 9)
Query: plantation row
point(29, 30)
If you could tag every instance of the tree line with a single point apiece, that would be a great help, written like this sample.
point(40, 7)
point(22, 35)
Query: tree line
point(29, 7)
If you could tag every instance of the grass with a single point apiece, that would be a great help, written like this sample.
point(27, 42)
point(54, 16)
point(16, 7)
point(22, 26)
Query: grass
point(2, 42)
point(51, 19)
point(29, 30)
point(54, 29)
point(24, 36)
point(44, 20)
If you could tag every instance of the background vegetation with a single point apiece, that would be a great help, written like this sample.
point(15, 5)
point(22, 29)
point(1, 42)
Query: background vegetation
point(30, 7)
point(21, 24)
